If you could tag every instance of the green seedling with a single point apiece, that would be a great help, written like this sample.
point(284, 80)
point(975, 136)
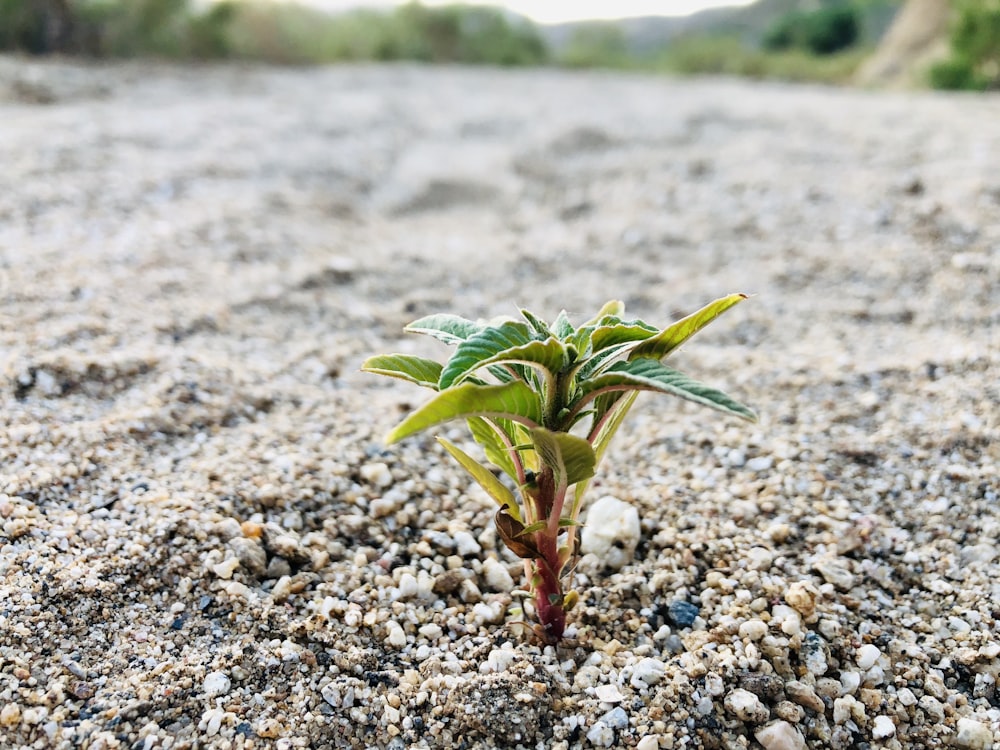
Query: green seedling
point(544, 401)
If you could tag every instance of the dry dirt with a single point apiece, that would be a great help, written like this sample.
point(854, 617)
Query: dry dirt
point(204, 543)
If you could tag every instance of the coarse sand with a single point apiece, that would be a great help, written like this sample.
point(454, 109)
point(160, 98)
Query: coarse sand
point(205, 544)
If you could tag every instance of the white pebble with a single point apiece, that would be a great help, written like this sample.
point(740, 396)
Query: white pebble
point(226, 568)
point(883, 727)
point(377, 474)
point(867, 655)
point(647, 672)
point(760, 463)
point(611, 532)
point(216, 683)
point(407, 586)
point(780, 736)
point(753, 630)
point(395, 636)
point(601, 735)
point(973, 735)
point(466, 544)
point(649, 742)
point(746, 706)
point(608, 694)
point(495, 575)
point(499, 660)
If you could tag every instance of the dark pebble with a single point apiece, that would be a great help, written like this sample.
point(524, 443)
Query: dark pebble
point(681, 613)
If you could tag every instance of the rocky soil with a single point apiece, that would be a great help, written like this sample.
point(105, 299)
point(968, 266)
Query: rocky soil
point(204, 543)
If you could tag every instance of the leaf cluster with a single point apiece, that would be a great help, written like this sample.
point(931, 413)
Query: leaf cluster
point(539, 395)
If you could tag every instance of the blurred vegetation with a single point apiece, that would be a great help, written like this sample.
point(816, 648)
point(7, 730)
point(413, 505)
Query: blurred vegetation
point(974, 62)
point(822, 31)
point(728, 55)
point(769, 39)
point(270, 32)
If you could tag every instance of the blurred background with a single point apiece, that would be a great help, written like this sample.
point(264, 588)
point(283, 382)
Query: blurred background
point(936, 43)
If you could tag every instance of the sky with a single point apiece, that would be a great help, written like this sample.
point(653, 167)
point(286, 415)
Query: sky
point(559, 11)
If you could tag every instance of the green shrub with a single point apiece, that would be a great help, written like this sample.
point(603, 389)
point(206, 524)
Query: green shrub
point(822, 32)
point(975, 49)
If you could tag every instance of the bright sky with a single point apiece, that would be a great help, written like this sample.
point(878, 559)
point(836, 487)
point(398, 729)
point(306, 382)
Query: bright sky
point(558, 11)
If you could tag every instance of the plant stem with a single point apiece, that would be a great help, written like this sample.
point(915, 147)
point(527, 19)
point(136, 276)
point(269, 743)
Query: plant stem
point(549, 601)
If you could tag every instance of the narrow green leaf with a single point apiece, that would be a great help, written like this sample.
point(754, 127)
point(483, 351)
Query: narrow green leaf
point(570, 457)
point(536, 526)
point(509, 343)
point(660, 345)
point(451, 329)
point(540, 326)
point(613, 307)
point(485, 433)
point(561, 327)
point(652, 375)
point(425, 372)
point(493, 486)
point(514, 401)
point(613, 331)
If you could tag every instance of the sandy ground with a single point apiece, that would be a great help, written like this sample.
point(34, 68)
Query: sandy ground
point(204, 542)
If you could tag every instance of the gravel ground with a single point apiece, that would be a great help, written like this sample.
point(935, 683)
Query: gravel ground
point(204, 543)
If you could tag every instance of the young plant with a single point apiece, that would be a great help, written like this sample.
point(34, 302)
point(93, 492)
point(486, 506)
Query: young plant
point(544, 401)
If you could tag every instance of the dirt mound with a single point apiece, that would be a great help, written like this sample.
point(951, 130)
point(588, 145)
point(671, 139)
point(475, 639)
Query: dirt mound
point(917, 38)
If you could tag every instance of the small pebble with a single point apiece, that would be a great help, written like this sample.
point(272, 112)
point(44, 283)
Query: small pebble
point(973, 735)
point(495, 575)
point(681, 613)
point(867, 655)
point(395, 636)
point(883, 727)
point(601, 735)
point(611, 532)
point(746, 706)
point(780, 736)
point(216, 683)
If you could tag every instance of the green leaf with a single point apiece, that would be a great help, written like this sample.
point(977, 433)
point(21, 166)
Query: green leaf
point(515, 401)
point(425, 372)
point(652, 375)
point(493, 486)
point(540, 326)
point(570, 457)
point(613, 307)
point(660, 345)
point(485, 433)
point(509, 343)
point(451, 329)
point(562, 328)
point(613, 331)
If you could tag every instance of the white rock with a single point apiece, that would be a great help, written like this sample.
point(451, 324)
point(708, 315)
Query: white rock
point(753, 629)
point(746, 706)
point(780, 736)
point(499, 660)
point(760, 463)
point(867, 655)
point(407, 587)
point(495, 575)
point(377, 473)
point(883, 727)
point(466, 544)
point(973, 735)
point(647, 672)
point(649, 742)
point(611, 532)
point(601, 735)
point(395, 636)
point(608, 694)
point(216, 683)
